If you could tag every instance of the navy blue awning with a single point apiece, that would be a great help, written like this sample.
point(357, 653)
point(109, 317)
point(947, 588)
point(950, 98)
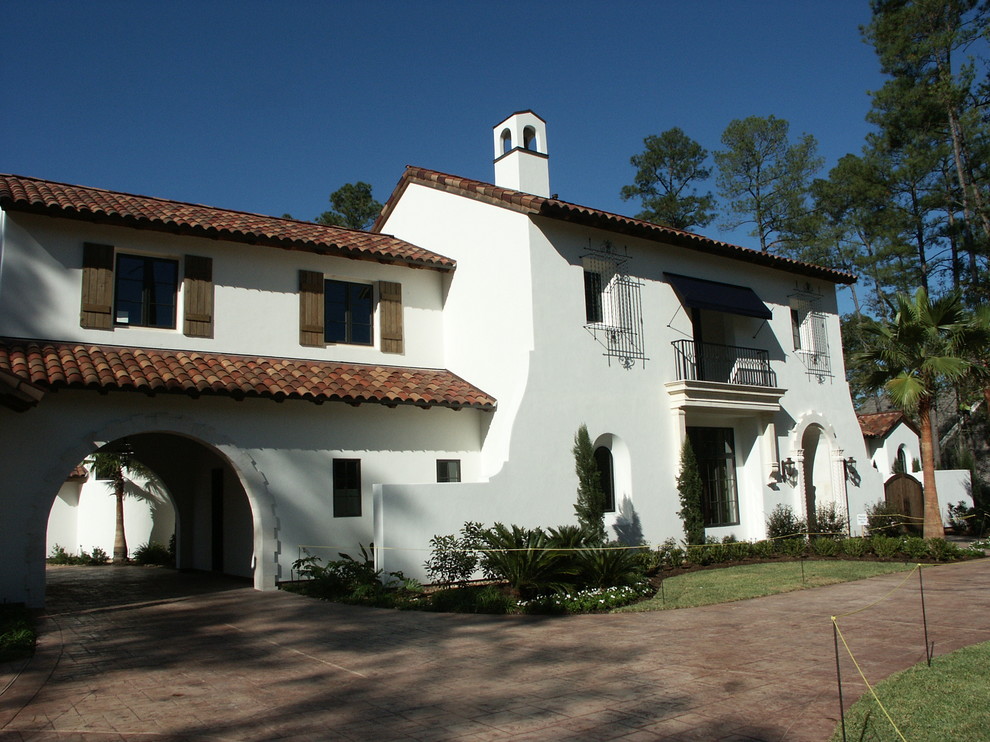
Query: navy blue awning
point(697, 293)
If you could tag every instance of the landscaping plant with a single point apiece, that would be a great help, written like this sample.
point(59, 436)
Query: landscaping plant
point(590, 505)
point(783, 523)
point(690, 491)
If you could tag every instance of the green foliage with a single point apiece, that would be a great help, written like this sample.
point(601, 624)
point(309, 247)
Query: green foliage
point(792, 547)
point(454, 559)
point(524, 559)
point(590, 505)
point(831, 521)
point(690, 491)
point(825, 546)
point(941, 550)
point(782, 523)
point(855, 547)
point(588, 601)
point(610, 567)
point(17, 633)
point(763, 549)
point(764, 179)
point(349, 580)
point(671, 554)
point(914, 547)
point(61, 557)
point(353, 207)
point(472, 599)
point(97, 557)
point(885, 547)
point(666, 171)
point(153, 553)
point(884, 519)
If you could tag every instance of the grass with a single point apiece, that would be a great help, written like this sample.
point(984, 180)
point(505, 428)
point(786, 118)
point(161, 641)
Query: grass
point(947, 701)
point(756, 580)
point(17, 633)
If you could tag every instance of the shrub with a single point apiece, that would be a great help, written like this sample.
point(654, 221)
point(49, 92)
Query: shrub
point(763, 549)
point(590, 504)
point(671, 554)
point(739, 550)
point(782, 523)
point(690, 491)
point(610, 567)
point(60, 556)
point(150, 553)
point(471, 599)
point(884, 519)
point(825, 546)
point(792, 547)
point(523, 558)
point(454, 558)
point(588, 601)
point(885, 547)
point(855, 547)
point(17, 634)
point(831, 522)
point(941, 550)
point(915, 547)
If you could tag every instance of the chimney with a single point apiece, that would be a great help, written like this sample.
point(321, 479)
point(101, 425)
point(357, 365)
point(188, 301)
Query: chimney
point(521, 160)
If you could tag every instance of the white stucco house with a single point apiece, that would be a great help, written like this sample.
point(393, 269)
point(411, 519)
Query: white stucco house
point(303, 387)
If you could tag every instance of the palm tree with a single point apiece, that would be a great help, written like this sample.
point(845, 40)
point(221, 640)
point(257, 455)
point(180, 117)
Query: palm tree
point(927, 343)
point(111, 464)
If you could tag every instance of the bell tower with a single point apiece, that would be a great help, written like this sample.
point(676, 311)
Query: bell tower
point(521, 160)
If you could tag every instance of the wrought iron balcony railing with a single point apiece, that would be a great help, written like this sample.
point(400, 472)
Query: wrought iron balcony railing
point(728, 364)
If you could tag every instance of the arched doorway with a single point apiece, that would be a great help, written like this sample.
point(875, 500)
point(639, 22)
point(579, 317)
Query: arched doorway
point(817, 473)
point(905, 496)
point(212, 518)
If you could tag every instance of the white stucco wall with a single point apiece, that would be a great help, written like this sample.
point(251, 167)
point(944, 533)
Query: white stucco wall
point(83, 515)
point(256, 299)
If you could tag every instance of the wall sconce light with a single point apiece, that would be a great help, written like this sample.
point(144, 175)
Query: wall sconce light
point(788, 467)
point(849, 465)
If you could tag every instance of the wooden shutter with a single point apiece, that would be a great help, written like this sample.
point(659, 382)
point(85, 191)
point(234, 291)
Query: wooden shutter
point(97, 287)
point(390, 303)
point(197, 289)
point(311, 308)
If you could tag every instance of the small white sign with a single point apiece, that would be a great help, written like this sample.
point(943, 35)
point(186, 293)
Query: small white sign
point(862, 519)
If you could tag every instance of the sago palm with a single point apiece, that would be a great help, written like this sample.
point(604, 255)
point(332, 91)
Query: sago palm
point(928, 342)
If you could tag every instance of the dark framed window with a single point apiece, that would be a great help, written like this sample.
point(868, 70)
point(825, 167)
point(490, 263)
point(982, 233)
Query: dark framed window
point(144, 291)
point(448, 470)
point(593, 311)
point(714, 450)
point(796, 329)
point(349, 311)
point(603, 459)
point(346, 488)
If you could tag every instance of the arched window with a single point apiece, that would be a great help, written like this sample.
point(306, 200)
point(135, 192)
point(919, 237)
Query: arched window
point(506, 140)
point(529, 138)
point(603, 458)
point(900, 465)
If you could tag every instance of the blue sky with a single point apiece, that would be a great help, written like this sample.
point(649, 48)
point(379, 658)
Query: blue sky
point(270, 106)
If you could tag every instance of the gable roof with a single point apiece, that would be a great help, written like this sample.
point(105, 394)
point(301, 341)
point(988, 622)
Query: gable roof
point(49, 365)
point(33, 195)
point(554, 208)
point(880, 424)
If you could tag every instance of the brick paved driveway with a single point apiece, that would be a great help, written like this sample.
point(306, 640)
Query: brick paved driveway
point(132, 654)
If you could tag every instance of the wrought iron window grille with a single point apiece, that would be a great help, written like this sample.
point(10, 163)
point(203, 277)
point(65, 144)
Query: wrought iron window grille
point(614, 308)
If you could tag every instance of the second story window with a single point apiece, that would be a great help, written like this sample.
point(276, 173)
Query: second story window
point(145, 289)
point(448, 470)
point(349, 313)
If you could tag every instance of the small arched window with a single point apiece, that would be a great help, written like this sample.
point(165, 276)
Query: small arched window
point(900, 465)
point(506, 140)
point(603, 459)
point(529, 138)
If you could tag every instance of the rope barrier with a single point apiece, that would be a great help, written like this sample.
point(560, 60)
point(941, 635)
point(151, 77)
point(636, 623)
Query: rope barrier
point(883, 598)
point(860, 671)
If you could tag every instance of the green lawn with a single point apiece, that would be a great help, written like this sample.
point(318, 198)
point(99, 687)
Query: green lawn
point(948, 701)
point(755, 580)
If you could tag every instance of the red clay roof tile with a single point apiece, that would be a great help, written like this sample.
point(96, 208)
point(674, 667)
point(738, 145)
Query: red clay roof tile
point(879, 424)
point(556, 209)
point(54, 365)
point(20, 193)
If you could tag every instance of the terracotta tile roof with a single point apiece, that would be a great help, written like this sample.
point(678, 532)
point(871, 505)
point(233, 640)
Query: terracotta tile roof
point(144, 212)
point(56, 365)
point(879, 424)
point(553, 208)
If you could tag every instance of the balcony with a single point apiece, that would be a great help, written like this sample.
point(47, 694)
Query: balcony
point(723, 377)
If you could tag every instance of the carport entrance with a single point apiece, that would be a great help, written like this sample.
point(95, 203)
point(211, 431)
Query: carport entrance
point(211, 514)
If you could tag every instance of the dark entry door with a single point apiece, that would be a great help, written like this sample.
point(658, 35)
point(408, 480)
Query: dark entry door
point(715, 451)
point(216, 519)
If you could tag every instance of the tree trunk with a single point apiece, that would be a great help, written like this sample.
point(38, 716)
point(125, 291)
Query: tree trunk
point(933, 514)
point(119, 541)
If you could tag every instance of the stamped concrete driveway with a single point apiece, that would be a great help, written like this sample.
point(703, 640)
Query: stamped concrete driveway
point(132, 654)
